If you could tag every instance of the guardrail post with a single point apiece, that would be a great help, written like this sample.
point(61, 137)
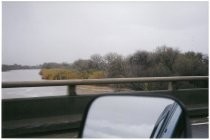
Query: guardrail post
point(71, 90)
point(172, 85)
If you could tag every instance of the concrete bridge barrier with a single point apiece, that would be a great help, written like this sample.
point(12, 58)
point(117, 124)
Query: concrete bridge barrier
point(29, 116)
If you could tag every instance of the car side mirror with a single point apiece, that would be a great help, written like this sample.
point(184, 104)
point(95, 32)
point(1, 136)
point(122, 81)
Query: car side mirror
point(132, 116)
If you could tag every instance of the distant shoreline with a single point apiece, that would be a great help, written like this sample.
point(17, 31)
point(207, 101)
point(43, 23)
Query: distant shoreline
point(18, 67)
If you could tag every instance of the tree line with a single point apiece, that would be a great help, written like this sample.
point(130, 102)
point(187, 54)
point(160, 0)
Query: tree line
point(164, 61)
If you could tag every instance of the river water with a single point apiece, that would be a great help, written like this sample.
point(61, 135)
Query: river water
point(28, 75)
point(33, 75)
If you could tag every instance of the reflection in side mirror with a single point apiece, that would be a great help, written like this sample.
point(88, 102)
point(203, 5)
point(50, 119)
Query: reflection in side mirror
point(119, 116)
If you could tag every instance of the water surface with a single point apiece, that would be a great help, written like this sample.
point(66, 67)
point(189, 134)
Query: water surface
point(28, 75)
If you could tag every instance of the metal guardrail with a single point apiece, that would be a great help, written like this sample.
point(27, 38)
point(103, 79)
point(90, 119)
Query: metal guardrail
point(72, 83)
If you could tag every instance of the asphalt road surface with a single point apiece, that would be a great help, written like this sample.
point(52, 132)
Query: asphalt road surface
point(200, 127)
point(200, 130)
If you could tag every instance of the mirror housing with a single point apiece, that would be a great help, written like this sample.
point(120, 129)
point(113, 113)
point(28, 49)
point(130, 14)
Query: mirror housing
point(135, 116)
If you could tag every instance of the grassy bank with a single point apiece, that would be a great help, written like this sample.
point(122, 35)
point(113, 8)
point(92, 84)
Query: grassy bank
point(63, 74)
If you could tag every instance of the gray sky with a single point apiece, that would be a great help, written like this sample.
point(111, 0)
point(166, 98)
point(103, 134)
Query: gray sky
point(37, 32)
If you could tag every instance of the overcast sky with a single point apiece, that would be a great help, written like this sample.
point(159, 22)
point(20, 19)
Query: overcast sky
point(37, 32)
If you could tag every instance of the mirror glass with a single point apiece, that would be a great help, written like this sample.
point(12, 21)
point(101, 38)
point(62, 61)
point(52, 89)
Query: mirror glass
point(128, 117)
